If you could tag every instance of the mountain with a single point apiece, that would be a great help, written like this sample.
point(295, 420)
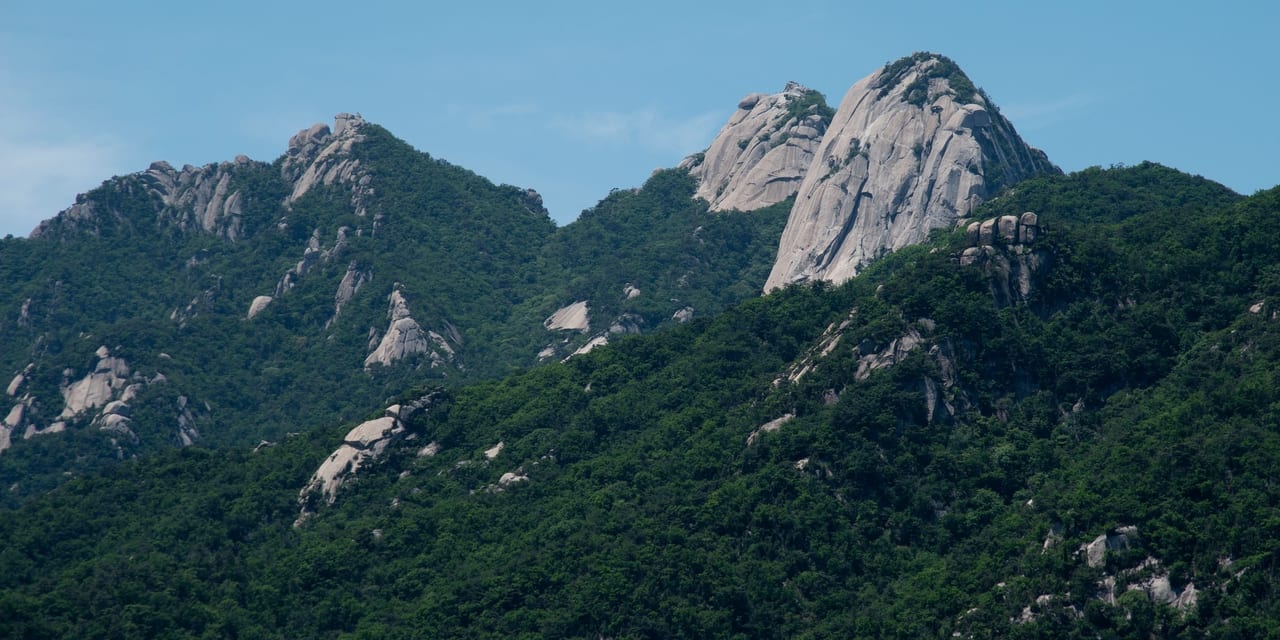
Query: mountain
point(912, 148)
point(761, 155)
point(240, 301)
point(1059, 424)
point(361, 392)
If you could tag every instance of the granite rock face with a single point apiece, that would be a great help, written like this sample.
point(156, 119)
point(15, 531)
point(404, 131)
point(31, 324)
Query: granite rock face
point(322, 156)
point(362, 446)
point(405, 337)
point(352, 280)
point(1005, 249)
point(103, 397)
point(205, 199)
point(194, 198)
point(573, 317)
point(760, 156)
point(912, 148)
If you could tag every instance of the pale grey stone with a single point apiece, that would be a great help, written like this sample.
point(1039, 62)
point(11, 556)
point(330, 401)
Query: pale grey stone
point(760, 156)
point(573, 317)
point(887, 172)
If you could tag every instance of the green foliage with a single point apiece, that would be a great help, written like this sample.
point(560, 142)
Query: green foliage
point(479, 263)
point(1136, 385)
point(917, 93)
point(810, 102)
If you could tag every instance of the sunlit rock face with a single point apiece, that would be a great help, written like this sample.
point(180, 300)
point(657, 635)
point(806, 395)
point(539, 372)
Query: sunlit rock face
point(912, 148)
point(760, 155)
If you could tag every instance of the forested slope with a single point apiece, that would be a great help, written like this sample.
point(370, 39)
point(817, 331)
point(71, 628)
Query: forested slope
point(299, 309)
point(1053, 426)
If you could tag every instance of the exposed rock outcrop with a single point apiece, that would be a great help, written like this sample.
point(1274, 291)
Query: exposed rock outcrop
point(943, 395)
point(573, 317)
point(598, 341)
point(352, 280)
point(1120, 574)
point(102, 398)
point(1148, 576)
point(322, 156)
point(206, 199)
point(1121, 539)
point(200, 303)
point(193, 198)
point(769, 427)
point(760, 156)
point(108, 380)
point(912, 148)
point(18, 380)
point(360, 447)
point(313, 256)
point(1005, 249)
point(405, 337)
point(259, 305)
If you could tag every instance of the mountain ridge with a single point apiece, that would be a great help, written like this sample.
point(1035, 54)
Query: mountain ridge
point(1088, 458)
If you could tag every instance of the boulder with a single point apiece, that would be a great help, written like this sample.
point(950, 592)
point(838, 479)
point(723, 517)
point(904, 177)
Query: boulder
point(987, 232)
point(1008, 228)
point(15, 384)
point(1120, 539)
point(258, 305)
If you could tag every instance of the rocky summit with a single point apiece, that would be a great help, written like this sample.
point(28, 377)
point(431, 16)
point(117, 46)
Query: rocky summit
point(760, 156)
point(912, 148)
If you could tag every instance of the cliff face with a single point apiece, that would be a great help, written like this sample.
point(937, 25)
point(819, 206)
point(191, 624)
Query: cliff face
point(761, 154)
point(913, 147)
point(207, 199)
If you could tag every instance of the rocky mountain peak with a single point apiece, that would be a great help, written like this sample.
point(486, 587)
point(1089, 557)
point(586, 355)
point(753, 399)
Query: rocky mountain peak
point(194, 198)
point(321, 156)
point(206, 198)
point(912, 148)
point(761, 154)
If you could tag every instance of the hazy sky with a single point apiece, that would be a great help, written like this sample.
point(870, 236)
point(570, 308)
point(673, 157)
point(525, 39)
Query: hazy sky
point(576, 98)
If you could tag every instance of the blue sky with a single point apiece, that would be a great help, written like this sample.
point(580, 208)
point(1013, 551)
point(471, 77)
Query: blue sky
point(576, 98)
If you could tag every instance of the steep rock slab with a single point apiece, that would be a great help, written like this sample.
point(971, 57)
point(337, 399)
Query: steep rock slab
point(405, 337)
point(760, 156)
point(574, 317)
point(352, 280)
point(912, 148)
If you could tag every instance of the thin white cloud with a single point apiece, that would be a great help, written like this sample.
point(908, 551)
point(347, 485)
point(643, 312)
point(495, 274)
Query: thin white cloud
point(646, 128)
point(1037, 115)
point(43, 162)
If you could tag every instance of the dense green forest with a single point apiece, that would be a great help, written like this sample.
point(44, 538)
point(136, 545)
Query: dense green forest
point(924, 451)
point(480, 264)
